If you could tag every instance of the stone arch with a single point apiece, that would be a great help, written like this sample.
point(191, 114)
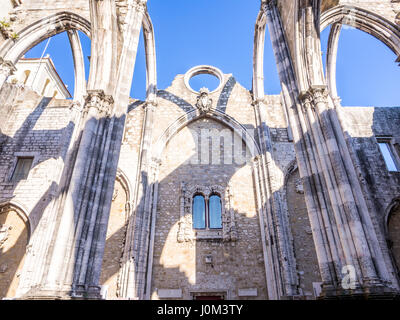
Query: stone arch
point(12, 50)
point(151, 65)
point(214, 114)
point(15, 231)
point(392, 231)
point(41, 30)
point(178, 180)
point(258, 55)
point(363, 20)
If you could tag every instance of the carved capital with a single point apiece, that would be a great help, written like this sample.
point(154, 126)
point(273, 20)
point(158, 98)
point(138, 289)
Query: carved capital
point(98, 100)
point(315, 95)
point(258, 103)
point(75, 106)
point(150, 105)
point(267, 5)
point(7, 68)
point(139, 5)
point(319, 94)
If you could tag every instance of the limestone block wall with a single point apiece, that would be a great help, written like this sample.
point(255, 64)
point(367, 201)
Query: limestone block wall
point(182, 265)
point(365, 125)
point(37, 127)
point(14, 236)
point(303, 243)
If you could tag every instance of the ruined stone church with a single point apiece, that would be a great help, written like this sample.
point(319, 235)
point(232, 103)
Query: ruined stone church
point(213, 194)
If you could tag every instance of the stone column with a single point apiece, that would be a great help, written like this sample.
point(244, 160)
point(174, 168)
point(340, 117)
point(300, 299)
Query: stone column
point(71, 252)
point(135, 263)
point(283, 258)
point(342, 228)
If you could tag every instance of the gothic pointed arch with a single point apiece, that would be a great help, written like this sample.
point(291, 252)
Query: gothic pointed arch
point(363, 20)
point(14, 237)
point(214, 114)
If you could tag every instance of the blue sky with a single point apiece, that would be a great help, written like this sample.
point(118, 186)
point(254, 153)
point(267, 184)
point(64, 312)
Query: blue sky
point(220, 33)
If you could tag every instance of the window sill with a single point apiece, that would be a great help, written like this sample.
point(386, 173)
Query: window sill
point(208, 234)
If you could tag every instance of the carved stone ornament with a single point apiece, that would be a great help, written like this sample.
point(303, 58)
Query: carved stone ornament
point(186, 232)
point(7, 68)
point(97, 99)
point(204, 102)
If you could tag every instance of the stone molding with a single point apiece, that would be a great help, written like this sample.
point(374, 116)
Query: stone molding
point(7, 68)
point(186, 232)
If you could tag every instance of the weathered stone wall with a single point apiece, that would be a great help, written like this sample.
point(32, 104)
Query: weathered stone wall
point(36, 127)
point(115, 240)
point(303, 243)
point(7, 97)
point(381, 187)
point(394, 236)
point(235, 265)
point(364, 125)
point(13, 242)
point(31, 11)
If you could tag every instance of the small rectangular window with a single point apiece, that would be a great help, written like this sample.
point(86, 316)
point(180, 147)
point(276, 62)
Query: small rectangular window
point(387, 153)
point(22, 168)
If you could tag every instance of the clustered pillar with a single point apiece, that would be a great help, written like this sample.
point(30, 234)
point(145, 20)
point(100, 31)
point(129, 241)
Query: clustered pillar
point(342, 227)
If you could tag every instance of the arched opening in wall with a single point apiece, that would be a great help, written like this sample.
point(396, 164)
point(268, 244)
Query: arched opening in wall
point(14, 237)
point(46, 83)
point(138, 89)
point(272, 83)
point(204, 81)
point(115, 239)
point(48, 67)
point(309, 278)
point(366, 71)
point(26, 76)
point(393, 234)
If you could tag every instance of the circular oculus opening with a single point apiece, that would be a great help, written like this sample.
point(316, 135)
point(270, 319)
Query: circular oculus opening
point(203, 76)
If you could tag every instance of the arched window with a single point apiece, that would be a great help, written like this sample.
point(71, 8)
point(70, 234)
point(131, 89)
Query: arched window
point(199, 212)
point(45, 86)
point(26, 73)
point(207, 214)
point(215, 212)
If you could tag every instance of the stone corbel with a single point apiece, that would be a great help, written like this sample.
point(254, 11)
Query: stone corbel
point(138, 5)
point(150, 105)
point(7, 68)
point(98, 100)
point(76, 106)
point(314, 96)
point(306, 100)
point(155, 165)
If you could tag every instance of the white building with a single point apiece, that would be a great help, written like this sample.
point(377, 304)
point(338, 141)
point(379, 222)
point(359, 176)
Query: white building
point(41, 76)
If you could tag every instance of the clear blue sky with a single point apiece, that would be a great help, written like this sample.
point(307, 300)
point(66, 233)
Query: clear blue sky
point(220, 33)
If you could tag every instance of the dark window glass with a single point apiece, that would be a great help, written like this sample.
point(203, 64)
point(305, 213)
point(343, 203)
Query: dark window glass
point(199, 212)
point(215, 212)
point(388, 156)
point(22, 168)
